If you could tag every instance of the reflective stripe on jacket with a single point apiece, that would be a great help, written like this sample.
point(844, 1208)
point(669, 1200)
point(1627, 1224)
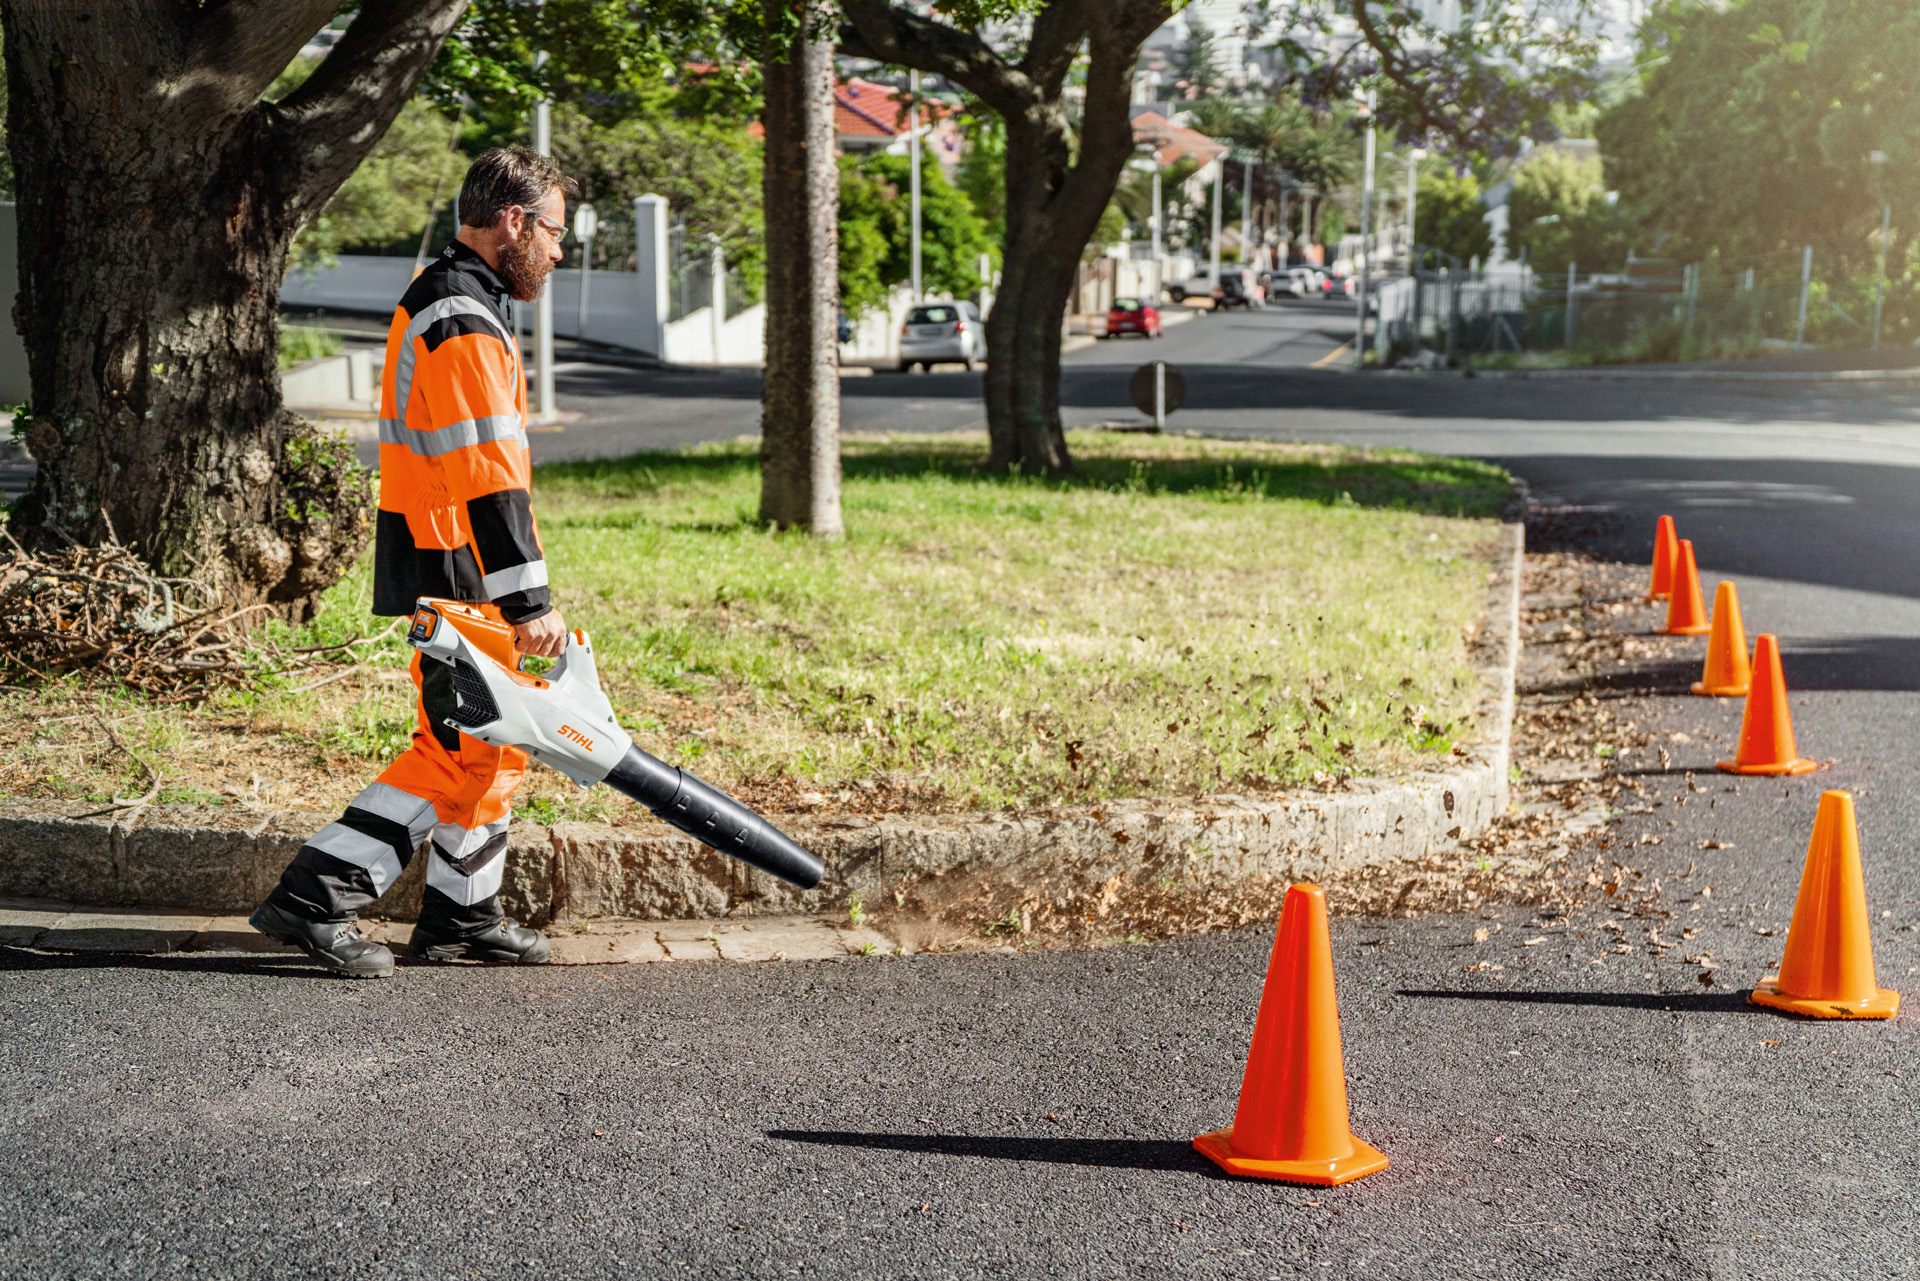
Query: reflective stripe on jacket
point(456, 514)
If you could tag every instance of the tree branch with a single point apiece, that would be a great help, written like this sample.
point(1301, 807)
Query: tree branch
point(328, 125)
point(235, 50)
point(1058, 31)
point(875, 29)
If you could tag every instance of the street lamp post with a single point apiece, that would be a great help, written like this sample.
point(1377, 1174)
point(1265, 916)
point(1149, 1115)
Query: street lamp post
point(1219, 181)
point(913, 162)
point(548, 411)
point(1366, 230)
point(1414, 158)
point(1147, 160)
point(1879, 159)
point(1246, 213)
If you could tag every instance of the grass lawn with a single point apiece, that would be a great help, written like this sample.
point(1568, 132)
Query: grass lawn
point(1185, 616)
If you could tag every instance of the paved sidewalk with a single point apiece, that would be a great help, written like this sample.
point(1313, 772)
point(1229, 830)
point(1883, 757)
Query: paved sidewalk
point(60, 928)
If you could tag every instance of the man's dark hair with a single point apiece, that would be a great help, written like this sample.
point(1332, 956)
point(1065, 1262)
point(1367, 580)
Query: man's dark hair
point(508, 176)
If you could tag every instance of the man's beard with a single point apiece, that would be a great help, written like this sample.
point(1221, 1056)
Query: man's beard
point(525, 268)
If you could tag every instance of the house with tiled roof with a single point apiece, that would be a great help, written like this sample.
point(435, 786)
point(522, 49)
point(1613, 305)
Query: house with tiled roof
point(869, 117)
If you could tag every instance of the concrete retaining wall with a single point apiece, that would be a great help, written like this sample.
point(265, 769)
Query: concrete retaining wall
point(217, 861)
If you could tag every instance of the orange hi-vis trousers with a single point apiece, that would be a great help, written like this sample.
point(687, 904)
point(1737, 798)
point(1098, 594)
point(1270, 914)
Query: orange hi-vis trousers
point(445, 786)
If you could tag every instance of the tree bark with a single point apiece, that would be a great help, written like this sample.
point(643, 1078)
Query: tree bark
point(800, 398)
point(1054, 196)
point(158, 197)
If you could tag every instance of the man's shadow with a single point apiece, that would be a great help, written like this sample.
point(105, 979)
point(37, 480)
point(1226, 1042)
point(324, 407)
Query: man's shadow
point(1114, 1154)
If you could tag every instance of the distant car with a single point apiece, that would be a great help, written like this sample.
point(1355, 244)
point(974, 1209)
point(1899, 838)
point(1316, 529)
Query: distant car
point(1298, 282)
point(942, 331)
point(1132, 316)
point(1338, 286)
point(1192, 286)
point(1238, 288)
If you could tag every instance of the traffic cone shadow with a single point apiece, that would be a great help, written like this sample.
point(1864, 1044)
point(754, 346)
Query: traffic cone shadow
point(1686, 611)
point(1827, 972)
point(1665, 548)
point(1766, 730)
point(1728, 672)
point(1292, 1122)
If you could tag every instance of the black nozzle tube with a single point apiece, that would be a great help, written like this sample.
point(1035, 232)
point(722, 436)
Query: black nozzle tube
point(708, 814)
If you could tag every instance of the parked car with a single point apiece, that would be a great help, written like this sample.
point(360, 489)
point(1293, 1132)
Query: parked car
point(1238, 288)
point(1297, 282)
point(1338, 286)
point(1132, 316)
point(942, 331)
point(1191, 287)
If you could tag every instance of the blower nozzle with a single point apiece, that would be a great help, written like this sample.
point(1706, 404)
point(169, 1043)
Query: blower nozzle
point(565, 722)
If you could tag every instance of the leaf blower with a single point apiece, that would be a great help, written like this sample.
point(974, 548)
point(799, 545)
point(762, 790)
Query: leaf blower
point(563, 721)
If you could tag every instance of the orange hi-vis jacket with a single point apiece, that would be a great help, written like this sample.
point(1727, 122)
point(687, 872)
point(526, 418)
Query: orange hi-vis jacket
point(456, 513)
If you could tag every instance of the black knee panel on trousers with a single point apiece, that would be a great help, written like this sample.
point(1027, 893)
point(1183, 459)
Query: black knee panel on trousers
point(321, 887)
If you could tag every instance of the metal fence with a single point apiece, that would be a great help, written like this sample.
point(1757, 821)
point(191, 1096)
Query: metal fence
point(1457, 313)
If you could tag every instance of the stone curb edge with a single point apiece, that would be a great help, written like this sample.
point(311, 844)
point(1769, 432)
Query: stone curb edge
point(211, 861)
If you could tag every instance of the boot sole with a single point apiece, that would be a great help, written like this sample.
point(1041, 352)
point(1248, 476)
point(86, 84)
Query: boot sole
point(458, 952)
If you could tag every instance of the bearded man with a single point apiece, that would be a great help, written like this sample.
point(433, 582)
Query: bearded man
point(456, 521)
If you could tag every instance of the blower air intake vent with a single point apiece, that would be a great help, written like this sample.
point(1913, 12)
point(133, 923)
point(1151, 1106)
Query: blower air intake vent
point(476, 701)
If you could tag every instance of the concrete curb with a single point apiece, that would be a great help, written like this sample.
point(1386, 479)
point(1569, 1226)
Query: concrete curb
point(215, 861)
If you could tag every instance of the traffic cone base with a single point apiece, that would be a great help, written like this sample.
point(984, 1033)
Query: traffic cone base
point(1881, 1005)
point(1722, 691)
point(1218, 1148)
point(1775, 769)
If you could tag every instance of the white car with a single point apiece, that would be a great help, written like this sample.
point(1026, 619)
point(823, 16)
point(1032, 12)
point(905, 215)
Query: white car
point(942, 331)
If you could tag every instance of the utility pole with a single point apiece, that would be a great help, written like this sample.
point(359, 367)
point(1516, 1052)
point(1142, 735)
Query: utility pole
point(1219, 180)
point(1246, 213)
point(1573, 301)
point(547, 410)
point(1880, 281)
point(1806, 287)
point(1414, 158)
point(913, 160)
point(1366, 230)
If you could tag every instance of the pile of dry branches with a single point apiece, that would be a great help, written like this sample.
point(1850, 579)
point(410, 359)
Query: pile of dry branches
point(99, 612)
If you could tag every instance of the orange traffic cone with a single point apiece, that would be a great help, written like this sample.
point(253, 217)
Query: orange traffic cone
point(1665, 547)
point(1728, 672)
point(1292, 1120)
point(1686, 611)
point(1766, 731)
point(1828, 968)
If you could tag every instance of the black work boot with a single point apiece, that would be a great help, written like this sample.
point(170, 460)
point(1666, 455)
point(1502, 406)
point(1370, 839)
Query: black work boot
point(335, 944)
point(505, 940)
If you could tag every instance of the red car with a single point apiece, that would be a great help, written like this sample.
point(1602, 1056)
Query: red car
point(1132, 316)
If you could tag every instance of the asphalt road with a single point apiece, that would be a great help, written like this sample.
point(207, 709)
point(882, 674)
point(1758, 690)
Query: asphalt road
point(1564, 1116)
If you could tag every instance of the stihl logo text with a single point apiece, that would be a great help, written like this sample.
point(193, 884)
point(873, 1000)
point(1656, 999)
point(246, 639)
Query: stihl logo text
point(568, 731)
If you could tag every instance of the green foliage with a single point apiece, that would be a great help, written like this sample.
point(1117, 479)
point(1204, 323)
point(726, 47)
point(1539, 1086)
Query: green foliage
point(1497, 80)
point(1753, 133)
point(982, 172)
point(1196, 63)
point(1560, 212)
point(1450, 217)
point(1108, 231)
point(708, 168)
point(392, 196)
point(876, 231)
point(304, 342)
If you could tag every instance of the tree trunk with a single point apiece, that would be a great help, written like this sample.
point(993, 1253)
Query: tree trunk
point(800, 400)
point(1054, 197)
point(1022, 381)
point(158, 198)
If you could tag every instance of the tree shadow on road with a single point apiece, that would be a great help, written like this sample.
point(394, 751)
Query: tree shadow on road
point(1123, 1154)
point(1678, 1002)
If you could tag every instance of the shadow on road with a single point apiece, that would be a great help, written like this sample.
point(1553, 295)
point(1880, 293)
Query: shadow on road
point(1679, 1002)
point(278, 966)
point(1125, 1154)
